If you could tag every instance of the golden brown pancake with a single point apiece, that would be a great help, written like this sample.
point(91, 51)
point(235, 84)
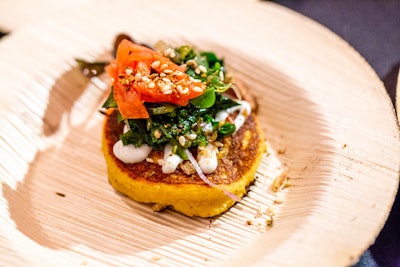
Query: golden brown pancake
point(188, 194)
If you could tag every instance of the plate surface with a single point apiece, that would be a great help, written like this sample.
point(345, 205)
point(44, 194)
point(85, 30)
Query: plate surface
point(327, 118)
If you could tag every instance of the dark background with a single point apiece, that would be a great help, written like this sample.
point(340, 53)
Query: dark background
point(372, 27)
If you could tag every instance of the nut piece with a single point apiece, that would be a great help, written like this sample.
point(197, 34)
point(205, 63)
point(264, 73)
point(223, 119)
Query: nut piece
point(278, 182)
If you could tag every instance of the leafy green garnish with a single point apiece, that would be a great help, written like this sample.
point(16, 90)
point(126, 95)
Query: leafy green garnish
point(110, 102)
point(163, 109)
point(227, 128)
point(188, 121)
point(137, 134)
point(211, 59)
point(184, 53)
point(206, 100)
point(188, 126)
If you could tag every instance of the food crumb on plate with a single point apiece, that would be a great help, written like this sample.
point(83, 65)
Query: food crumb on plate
point(269, 222)
point(60, 194)
point(279, 182)
point(156, 257)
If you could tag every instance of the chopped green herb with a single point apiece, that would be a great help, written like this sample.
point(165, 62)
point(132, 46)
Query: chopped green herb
point(161, 129)
point(227, 128)
point(164, 109)
point(206, 100)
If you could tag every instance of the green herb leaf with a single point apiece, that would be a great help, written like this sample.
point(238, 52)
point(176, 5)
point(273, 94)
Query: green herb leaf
point(227, 128)
point(221, 103)
point(211, 59)
point(110, 102)
point(180, 151)
point(131, 137)
point(184, 53)
point(206, 100)
point(164, 109)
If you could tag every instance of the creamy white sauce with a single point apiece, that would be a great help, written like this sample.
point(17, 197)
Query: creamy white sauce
point(244, 110)
point(207, 158)
point(131, 153)
point(171, 160)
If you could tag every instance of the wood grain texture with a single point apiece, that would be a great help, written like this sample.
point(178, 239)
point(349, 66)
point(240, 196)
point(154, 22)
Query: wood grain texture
point(328, 121)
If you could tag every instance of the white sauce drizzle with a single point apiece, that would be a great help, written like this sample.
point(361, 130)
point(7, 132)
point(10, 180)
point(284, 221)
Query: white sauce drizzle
point(131, 153)
point(171, 160)
point(207, 158)
point(244, 109)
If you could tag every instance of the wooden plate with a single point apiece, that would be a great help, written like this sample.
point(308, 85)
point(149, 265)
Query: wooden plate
point(328, 121)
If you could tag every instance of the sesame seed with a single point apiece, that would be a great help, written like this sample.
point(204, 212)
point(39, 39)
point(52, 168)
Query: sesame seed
point(165, 79)
point(178, 73)
point(192, 63)
point(197, 89)
point(193, 79)
point(164, 66)
point(128, 71)
point(182, 140)
point(166, 88)
point(155, 64)
point(179, 88)
point(168, 92)
point(138, 76)
point(145, 79)
point(151, 85)
point(192, 136)
point(202, 68)
point(197, 70)
point(168, 71)
point(172, 54)
point(185, 91)
point(167, 51)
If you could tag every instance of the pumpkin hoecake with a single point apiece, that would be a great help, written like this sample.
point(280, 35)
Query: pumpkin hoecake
point(176, 133)
point(188, 194)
